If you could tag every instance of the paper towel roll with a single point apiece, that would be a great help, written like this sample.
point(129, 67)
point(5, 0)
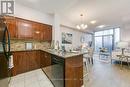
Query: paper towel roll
point(11, 63)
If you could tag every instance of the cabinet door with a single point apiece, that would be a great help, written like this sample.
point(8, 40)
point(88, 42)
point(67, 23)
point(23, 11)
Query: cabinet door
point(49, 30)
point(26, 61)
point(3, 67)
point(34, 60)
point(11, 25)
point(47, 33)
point(42, 59)
point(25, 29)
point(45, 59)
point(20, 63)
point(38, 31)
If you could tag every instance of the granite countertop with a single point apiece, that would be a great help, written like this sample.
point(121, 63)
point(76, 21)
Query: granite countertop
point(64, 54)
point(56, 53)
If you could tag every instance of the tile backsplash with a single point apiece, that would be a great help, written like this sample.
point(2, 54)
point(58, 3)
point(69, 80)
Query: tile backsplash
point(18, 45)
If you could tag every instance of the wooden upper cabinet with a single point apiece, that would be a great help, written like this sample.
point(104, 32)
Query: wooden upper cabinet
point(38, 31)
point(11, 25)
point(29, 30)
point(47, 33)
point(25, 29)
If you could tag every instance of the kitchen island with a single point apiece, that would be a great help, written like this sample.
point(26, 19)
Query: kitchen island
point(66, 69)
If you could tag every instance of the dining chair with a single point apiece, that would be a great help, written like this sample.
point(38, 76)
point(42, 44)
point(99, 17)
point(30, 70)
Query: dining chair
point(89, 55)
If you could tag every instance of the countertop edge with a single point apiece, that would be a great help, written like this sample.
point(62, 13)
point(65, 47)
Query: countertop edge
point(46, 50)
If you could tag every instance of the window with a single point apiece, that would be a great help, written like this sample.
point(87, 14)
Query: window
point(99, 33)
point(107, 39)
point(108, 32)
point(104, 32)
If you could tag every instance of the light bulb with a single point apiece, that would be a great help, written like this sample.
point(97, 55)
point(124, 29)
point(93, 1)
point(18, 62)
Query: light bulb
point(78, 27)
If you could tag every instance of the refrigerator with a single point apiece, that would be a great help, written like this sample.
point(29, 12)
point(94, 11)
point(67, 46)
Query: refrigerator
point(5, 72)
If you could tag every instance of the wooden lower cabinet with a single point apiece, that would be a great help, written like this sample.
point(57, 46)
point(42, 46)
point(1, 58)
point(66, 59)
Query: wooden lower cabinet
point(33, 60)
point(45, 59)
point(3, 67)
point(74, 71)
point(20, 63)
point(25, 61)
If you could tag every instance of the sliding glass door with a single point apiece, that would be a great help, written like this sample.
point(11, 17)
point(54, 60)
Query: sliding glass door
point(107, 39)
point(104, 42)
point(98, 43)
point(108, 42)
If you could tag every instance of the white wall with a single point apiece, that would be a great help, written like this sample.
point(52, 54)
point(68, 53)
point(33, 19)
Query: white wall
point(56, 28)
point(125, 33)
point(76, 35)
point(31, 14)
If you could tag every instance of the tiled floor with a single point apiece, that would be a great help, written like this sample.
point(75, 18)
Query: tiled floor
point(102, 74)
point(105, 74)
point(34, 78)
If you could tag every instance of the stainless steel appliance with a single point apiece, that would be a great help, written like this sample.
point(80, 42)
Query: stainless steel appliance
point(55, 72)
point(4, 54)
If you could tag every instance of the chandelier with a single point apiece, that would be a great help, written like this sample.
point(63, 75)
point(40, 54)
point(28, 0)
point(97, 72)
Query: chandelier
point(82, 26)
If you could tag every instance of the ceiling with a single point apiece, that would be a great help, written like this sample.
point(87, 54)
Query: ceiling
point(105, 12)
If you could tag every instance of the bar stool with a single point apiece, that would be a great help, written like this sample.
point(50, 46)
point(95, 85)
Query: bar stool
point(86, 68)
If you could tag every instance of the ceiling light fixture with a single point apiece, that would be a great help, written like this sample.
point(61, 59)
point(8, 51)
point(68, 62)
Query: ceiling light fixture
point(93, 22)
point(101, 26)
point(82, 26)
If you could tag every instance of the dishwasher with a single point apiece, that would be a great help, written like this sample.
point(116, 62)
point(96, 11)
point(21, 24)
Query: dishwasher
point(55, 72)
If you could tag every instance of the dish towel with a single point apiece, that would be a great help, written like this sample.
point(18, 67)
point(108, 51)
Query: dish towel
point(11, 63)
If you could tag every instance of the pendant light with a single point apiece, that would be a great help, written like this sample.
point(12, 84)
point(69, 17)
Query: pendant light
point(82, 26)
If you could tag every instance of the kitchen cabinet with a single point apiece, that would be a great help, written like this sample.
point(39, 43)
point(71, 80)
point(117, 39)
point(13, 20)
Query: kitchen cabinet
point(20, 63)
point(33, 30)
point(25, 29)
point(47, 33)
point(45, 59)
point(25, 61)
point(28, 30)
point(11, 25)
point(74, 70)
point(38, 32)
point(3, 66)
point(34, 60)
point(42, 32)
